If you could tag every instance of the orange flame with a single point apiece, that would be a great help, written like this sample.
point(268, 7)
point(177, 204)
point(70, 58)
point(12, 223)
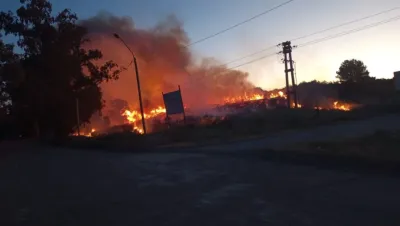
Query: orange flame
point(341, 106)
point(243, 98)
point(253, 97)
point(133, 116)
point(276, 95)
point(85, 134)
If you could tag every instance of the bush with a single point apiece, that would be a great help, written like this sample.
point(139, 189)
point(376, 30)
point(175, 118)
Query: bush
point(116, 142)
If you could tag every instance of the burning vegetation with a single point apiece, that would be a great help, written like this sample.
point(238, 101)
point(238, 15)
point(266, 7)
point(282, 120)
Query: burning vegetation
point(165, 62)
point(231, 105)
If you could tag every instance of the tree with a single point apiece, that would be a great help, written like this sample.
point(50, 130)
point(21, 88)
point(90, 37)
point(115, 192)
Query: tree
point(7, 58)
point(55, 69)
point(352, 71)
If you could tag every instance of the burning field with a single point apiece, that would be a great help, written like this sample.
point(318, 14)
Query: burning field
point(130, 120)
point(164, 64)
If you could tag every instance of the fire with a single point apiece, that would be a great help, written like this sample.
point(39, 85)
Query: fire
point(139, 130)
point(133, 116)
point(230, 100)
point(341, 106)
point(276, 95)
point(253, 97)
point(90, 134)
point(243, 98)
point(298, 105)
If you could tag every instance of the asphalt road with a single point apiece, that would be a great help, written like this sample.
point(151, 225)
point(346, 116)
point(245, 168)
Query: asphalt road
point(65, 187)
point(346, 130)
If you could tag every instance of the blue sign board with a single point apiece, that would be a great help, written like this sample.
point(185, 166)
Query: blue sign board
point(173, 102)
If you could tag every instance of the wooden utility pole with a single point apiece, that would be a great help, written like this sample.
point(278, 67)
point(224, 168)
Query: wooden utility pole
point(138, 82)
point(287, 82)
point(291, 92)
point(140, 96)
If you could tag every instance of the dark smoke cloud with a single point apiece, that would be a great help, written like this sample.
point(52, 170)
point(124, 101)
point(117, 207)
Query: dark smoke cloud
point(164, 63)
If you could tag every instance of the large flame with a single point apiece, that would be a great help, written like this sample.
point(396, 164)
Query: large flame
point(341, 106)
point(134, 116)
point(336, 105)
point(253, 97)
point(243, 98)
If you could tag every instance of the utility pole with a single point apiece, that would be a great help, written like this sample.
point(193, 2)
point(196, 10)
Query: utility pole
point(288, 96)
point(137, 80)
point(140, 96)
point(291, 92)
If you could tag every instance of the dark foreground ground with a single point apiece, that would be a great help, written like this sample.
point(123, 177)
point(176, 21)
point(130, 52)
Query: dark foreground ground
point(66, 187)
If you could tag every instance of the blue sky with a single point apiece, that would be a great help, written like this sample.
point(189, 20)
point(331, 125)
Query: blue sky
point(378, 47)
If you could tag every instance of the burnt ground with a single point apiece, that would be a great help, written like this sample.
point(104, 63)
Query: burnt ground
point(67, 187)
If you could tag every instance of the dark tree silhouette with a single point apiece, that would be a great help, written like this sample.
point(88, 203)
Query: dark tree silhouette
point(54, 69)
point(7, 58)
point(352, 71)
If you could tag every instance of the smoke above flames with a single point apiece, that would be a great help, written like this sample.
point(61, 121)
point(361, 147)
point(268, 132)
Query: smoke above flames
point(164, 62)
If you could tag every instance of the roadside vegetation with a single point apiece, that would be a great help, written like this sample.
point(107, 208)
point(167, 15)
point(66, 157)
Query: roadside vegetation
point(215, 130)
point(381, 147)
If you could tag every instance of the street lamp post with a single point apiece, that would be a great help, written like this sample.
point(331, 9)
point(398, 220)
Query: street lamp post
point(137, 80)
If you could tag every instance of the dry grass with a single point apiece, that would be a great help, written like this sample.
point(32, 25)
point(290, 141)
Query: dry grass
point(236, 127)
point(125, 141)
point(381, 146)
point(250, 125)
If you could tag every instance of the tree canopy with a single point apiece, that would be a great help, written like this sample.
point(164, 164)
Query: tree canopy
point(53, 70)
point(352, 71)
point(6, 55)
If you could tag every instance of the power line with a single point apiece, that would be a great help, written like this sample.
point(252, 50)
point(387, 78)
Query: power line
point(252, 61)
point(328, 38)
point(346, 23)
point(249, 55)
point(349, 31)
point(241, 23)
point(314, 33)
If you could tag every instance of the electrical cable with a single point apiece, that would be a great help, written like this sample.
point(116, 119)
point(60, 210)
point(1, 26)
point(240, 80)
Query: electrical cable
point(328, 38)
point(314, 33)
point(346, 23)
point(240, 23)
point(349, 32)
point(252, 61)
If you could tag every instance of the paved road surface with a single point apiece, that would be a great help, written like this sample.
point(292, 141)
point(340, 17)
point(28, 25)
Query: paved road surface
point(65, 187)
point(351, 129)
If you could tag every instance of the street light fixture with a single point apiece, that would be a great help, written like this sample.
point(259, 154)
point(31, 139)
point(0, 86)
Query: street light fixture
point(137, 80)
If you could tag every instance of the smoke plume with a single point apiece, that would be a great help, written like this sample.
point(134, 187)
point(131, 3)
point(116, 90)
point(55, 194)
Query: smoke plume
point(164, 62)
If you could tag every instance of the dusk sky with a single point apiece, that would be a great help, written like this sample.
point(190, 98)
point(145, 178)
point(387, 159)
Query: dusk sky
point(378, 47)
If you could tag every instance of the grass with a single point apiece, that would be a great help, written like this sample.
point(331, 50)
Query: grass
point(379, 147)
point(235, 127)
point(118, 142)
point(266, 122)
